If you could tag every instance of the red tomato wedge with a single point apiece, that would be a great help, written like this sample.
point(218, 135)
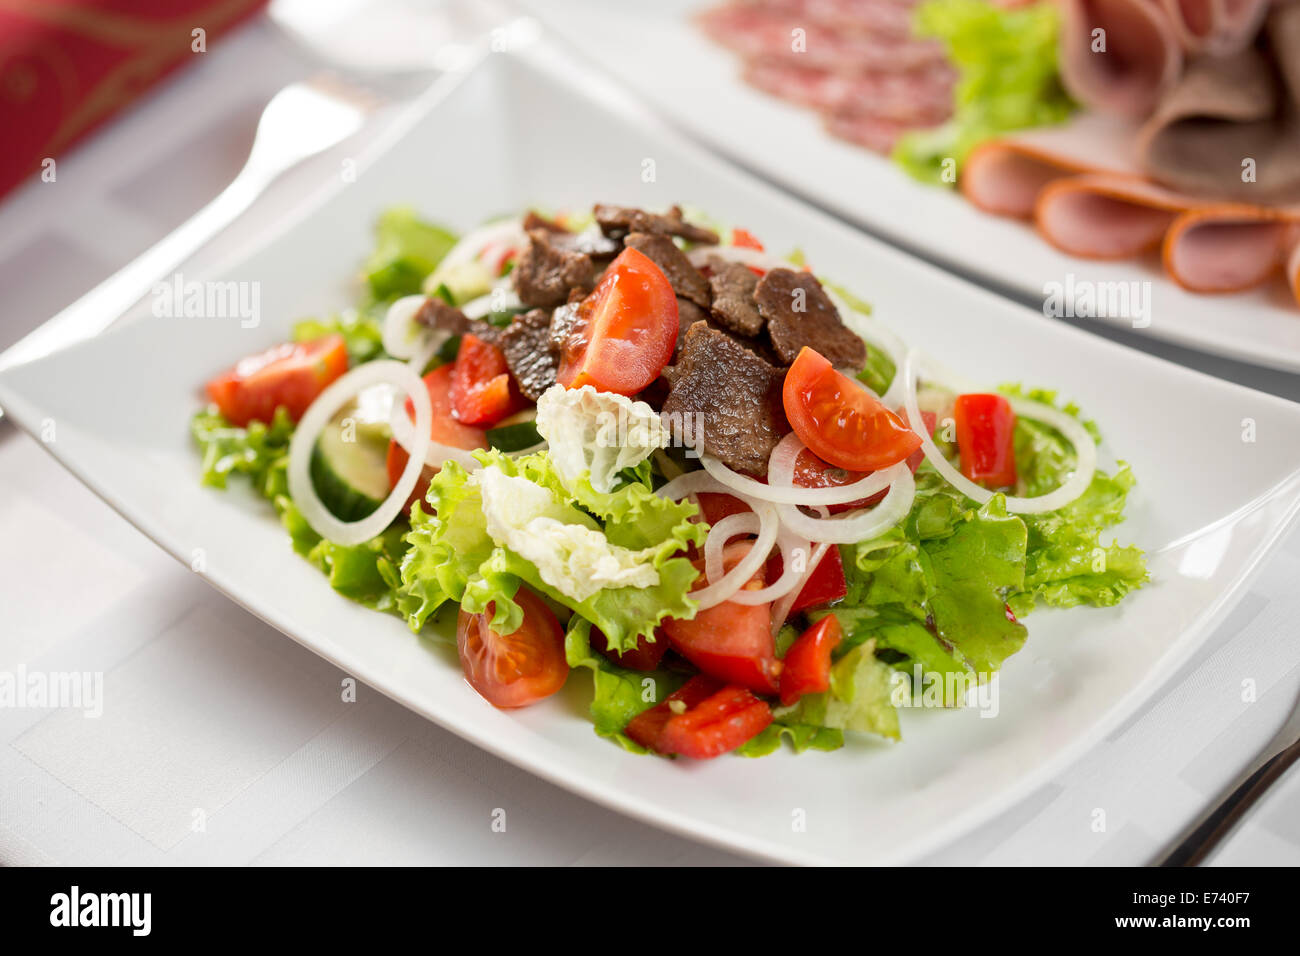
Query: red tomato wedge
point(745, 238)
point(812, 472)
point(644, 657)
point(702, 720)
point(808, 661)
point(445, 430)
point(515, 669)
point(292, 375)
point(482, 391)
point(730, 641)
point(986, 439)
point(840, 421)
point(627, 329)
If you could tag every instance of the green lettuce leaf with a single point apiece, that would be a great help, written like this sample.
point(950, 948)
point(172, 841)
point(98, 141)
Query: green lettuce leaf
point(1009, 79)
point(619, 694)
point(861, 697)
point(259, 451)
point(801, 737)
point(453, 557)
point(407, 248)
point(362, 333)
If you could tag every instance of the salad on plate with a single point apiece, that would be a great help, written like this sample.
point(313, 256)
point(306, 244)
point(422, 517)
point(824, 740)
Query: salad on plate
point(634, 445)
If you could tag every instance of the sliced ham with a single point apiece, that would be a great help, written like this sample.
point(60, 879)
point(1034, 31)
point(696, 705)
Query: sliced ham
point(876, 133)
point(1004, 176)
point(1205, 246)
point(1141, 61)
point(1227, 248)
point(1105, 217)
point(1217, 27)
point(1230, 110)
point(1293, 269)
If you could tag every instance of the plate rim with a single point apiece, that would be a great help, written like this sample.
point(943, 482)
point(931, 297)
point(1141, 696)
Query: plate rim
point(543, 56)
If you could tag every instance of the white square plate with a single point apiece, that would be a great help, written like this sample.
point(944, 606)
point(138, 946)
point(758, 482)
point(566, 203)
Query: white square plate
point(525, 128)
point(696, 83)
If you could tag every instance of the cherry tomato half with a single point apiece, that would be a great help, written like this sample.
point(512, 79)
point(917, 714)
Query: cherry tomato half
point(840, 421)
point(515, 669)
point(625, 331)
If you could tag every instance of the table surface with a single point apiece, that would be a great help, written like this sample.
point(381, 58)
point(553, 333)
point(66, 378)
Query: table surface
point(164, 777)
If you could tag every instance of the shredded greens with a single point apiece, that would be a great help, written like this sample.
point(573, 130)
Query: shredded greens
point(1007, 59)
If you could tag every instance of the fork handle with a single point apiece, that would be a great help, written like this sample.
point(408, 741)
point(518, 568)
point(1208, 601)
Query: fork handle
point(107, 302)
point(1221, 820)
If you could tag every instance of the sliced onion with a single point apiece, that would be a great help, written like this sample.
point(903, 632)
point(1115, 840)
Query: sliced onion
point(790, 495)
point(719, 534)
point(1085, 450)
point(862, 525)
point(693, 483)
point(472, 244)
point(730, 583)
point(790, 579)
point(313, 422)
point(781, 609)
point(434, 453)
point(483, 305)
point(400, 335)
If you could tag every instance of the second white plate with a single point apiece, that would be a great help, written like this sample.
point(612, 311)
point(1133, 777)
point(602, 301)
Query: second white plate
point(657, 52)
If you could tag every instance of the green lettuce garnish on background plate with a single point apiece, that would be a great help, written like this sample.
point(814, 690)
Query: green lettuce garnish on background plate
point(1008, 80)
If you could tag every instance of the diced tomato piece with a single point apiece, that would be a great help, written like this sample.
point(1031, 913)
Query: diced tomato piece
point(515, 669)
point(292, 375)
point(824, 585)
point(730, 641)
point(745, 238)
point(702, 720)
point(840, 421)
point(986, 439)
point(644, 657)
point(628, 329)
point(482, 391)
point(714, 506)
point(444, 429)
point(808, 661)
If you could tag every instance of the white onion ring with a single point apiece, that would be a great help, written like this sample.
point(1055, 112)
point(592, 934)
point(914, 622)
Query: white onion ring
point(790, 495)
point(400, 336)
point(408, 436)
point(789, 579)
point(482, 306)
point(781, 609)
point(1085, 450)
point(472, 244)
point(746, 522)
point(862, 525)
point(725, 589)
point(319, 414)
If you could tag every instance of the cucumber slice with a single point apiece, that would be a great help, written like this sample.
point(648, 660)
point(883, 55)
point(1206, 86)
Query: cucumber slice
point(462, 283)
point(514, 437)
point(349, 465)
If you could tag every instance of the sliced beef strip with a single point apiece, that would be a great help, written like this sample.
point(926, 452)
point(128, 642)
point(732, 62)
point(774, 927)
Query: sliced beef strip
point(734, 393)
point(546, 272)
point(589, 242)
point(687, 281)
point(810, 319)
point(688, 313)
point(564, 322)
point(532, 359)
point(618, 221)
point(733, 288)
point(437, 314)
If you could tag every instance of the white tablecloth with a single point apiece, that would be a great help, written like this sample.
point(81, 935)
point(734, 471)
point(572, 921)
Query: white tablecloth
point(228, 743)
